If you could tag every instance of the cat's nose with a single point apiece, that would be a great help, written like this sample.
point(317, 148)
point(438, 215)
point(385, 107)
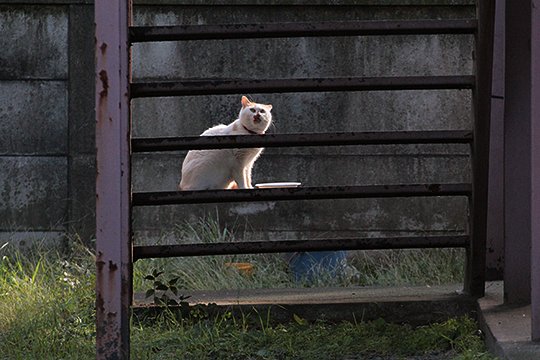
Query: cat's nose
point(257, 117)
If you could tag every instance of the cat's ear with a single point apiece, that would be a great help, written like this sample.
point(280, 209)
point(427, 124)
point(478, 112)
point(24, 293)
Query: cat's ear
point(245, 102)
point(268, 107)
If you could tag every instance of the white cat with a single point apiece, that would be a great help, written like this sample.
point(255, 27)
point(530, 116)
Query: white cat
point(227, 168)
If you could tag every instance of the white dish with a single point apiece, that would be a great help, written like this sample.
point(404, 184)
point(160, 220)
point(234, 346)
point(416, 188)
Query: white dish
point(278, 185)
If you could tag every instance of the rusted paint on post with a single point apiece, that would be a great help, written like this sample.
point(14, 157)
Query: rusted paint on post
point(476, 259)
point(535, 154)
point(113, 246)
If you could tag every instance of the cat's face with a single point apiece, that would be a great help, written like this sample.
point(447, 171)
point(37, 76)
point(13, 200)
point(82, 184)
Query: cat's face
point(255, 117)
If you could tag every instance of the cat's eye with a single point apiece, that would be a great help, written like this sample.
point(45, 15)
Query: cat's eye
point(252, 110)
point(262, 111)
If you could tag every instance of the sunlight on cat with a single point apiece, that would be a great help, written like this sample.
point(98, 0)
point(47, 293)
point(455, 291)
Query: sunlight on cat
point(227, 168)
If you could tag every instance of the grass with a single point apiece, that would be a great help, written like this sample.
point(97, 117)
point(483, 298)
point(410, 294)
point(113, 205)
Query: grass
point(212, 272)
point(380, 268)
point(410, 267)
point(47, 312)
point(46, 306)
point(229, 338)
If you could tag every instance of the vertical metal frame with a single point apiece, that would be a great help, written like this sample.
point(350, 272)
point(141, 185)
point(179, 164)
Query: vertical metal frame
point(113, 207)
point(535, 171)
point(517, 152)
point(495, 222)
point(113, 185)
point(476, 259)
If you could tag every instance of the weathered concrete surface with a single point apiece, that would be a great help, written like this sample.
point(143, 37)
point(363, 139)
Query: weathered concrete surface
point(33, 192)
point(305, 57)
point(81, 66)
point(319, 169)
point(82, 145)
point(298, 57)
point(34, 42)
point(34, 123)
point(82, 199)
point(371, 111)
point(312, 219)
point(34, 118)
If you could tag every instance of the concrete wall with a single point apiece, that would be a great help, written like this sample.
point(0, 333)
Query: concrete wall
point(46, 120)
point(47, 128)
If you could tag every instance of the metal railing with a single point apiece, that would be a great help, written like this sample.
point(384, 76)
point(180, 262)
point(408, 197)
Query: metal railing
point(194, 87)
point(312, 139)
point(260, 86)
point(114, 90)
point(307, 29)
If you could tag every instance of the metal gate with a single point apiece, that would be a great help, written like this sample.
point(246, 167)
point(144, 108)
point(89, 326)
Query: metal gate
point(114, 90)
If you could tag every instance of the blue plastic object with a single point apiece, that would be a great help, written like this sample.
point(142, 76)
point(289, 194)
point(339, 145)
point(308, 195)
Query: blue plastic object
point(306, 266)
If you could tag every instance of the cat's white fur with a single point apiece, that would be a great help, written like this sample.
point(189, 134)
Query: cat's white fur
point(227, 168)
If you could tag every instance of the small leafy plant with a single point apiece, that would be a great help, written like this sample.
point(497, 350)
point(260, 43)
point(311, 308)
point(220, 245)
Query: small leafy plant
point(163, 292)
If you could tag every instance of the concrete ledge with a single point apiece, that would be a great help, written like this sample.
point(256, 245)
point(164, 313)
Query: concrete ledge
point(507, 328)
point(23, 240)
point(412, 305)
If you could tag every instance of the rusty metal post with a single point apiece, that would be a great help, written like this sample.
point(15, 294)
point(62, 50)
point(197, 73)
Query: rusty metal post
point(535, 154)
point(476, 256)
point(113, 247)
point(517, 150)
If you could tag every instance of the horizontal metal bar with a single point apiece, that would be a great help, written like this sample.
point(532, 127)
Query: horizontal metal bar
point(303, 29)
point(242, 86)
point(314, 139)
point(300, 193)
point(260, 247)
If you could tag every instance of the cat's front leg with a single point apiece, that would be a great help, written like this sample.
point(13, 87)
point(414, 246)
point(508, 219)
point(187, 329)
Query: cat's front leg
point(247, 176)
point(240, 178)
